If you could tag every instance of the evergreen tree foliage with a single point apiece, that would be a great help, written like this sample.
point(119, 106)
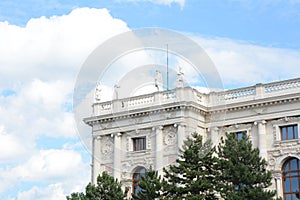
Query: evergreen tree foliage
point(193, 175)
point(243, 174)
point(150, 186)
point(107, 188)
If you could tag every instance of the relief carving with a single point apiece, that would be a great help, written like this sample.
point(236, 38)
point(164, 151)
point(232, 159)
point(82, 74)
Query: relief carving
point(170, 138)
point(107, 147)
point(126, 170)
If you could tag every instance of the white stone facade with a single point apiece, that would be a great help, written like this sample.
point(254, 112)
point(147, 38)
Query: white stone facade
point(161, 121)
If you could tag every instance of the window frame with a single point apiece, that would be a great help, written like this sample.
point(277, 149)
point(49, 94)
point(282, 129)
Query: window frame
point(284, 132)
point(288, 175)
point(139, 143)
point(136, 178)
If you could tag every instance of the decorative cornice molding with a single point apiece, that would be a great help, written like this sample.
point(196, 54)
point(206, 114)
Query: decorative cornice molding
point(138, 116)
point(259, 108)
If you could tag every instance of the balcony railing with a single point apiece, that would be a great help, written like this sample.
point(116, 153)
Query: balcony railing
point(259, 91)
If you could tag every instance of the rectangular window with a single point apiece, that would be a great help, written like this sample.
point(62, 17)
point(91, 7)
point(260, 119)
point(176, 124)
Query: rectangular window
point(239, 134)
point(289, 132)
point(139, 143)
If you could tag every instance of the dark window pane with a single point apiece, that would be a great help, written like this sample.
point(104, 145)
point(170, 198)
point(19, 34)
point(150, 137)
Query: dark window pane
point(239, 135)
point(293, 164)
point(290, 132)
point(287, 184)
point(288, 197)
point(139, 143)
point(295, 184)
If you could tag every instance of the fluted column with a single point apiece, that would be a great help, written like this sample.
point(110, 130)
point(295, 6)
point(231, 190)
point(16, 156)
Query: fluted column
point(96, 158)
point(262, 145)
point(159, 149)
point(117, 156)
point(180, 135)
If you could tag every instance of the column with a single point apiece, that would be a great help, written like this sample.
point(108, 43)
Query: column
point(180, 135)
point(96, 160)
point(159, 149)
point(262, 144)
point(117, 156)
point(214, 136)
point(278, 184)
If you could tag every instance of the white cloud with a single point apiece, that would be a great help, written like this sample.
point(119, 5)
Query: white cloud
point(50, 165)
point(53, 48)
point(39, 64)
point(63, 170)
point(51, 192)
point(243, 64)
point(40, 61)
point(11, 147)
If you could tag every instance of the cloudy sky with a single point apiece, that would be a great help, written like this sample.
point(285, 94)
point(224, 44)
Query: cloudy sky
point(43, 45)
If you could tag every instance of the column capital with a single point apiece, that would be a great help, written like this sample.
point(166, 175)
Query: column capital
point(263, 122)
point(157, 128)
point(182, 124)
point(116, 134)
point(213, 128)
point(97, 137)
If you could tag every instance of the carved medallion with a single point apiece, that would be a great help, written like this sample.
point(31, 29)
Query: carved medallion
point(170, 138)
point(107, 147)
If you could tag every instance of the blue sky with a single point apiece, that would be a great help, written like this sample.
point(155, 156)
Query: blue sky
point(270, 23)
point(43, 44)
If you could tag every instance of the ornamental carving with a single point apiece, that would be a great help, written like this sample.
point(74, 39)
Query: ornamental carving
point(126, 169)
point(107, 147)
point(277, 155)
point(169, 134)
point(170, 138)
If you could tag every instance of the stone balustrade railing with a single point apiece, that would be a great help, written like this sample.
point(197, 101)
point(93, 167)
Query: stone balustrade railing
point(139, 100)
point(157, 98)
point(259, 91)
point(282, 85)
point(237, 93)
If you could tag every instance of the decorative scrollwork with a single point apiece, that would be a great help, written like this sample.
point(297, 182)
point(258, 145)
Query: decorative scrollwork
point(107, 147)
point(170, 138)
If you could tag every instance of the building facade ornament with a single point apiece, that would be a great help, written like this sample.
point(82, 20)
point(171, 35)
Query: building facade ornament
point(170, 138)
point(158, 123)
point(107, 147)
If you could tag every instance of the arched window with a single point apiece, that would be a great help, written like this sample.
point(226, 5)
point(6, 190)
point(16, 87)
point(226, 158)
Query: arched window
point(136, 177)
point(291, 179)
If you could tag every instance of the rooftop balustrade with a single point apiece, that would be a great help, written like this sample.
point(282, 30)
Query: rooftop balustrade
point(187, 94)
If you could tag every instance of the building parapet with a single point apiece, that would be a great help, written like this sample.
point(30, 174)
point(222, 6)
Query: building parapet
point(188, 94)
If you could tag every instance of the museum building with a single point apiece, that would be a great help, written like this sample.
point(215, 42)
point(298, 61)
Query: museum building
point(134, 133)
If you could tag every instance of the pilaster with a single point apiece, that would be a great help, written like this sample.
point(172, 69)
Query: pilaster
point(96, 160)
point(117, 156)
point(262, 143)
point(180, 135)
point(159, 149)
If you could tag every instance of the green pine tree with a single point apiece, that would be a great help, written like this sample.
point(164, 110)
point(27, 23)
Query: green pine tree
point(107, 188)
point(243, 173)
point(193, 175)
point(150, 186)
